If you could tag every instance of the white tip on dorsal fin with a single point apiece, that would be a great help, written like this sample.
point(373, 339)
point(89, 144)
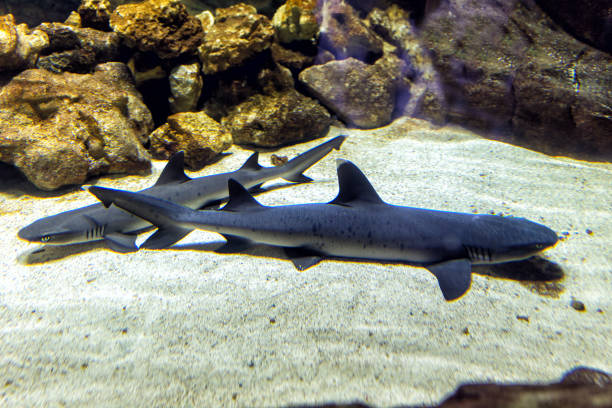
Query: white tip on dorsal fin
point(239, 198)
point(252, 163)
point(174, 172)
point(354, 186)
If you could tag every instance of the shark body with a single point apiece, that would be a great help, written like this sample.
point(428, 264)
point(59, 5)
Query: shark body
point(120, 228)
point(356, 224)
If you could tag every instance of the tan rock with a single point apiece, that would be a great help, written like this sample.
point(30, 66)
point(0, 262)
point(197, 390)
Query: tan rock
point(200, 136)
point(19, 47)
point(237, 34)
point(161, 26)
point(59, 129)
point(296, 20)
point(185, 87)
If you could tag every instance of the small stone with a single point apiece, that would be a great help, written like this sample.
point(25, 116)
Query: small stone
point(185, 87)
point(197, 134)
point(578, 305)
point(95, 14)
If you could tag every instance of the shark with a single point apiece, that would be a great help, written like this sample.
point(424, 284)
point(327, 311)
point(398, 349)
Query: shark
point(357, 223)
point(120, 228)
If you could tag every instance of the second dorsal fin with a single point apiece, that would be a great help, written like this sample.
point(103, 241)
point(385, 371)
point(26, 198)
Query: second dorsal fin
point(252, 163)
point(354, 186)
point(239, 198)
point(174, 172)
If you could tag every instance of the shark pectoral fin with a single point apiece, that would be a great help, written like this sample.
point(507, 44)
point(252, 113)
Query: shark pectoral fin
point(234, 244)
point(165, 237)
point(298, 178)
point(121, 242)
point(302, 258)
point(454, 277)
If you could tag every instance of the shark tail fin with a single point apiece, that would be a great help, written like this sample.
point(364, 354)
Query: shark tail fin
point(296, 166)
point(166, 216)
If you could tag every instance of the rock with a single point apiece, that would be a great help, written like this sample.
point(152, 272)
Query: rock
point(74, 49)
point(146, 66)
point(238, 34)
point(345, 35)
point(200, 136)
point(207, 19)
point(266, 7)
point(506, 68)
point(275, 120)
point(296, 59)
point(59, 129)
point(587, 20)
point(185, 87)
point(19, 47)
point(95, 14)
point(423, 97)
point(160, 26)
point(296, 21)
point(579, 392)
point(34, 12)
point(362, 95)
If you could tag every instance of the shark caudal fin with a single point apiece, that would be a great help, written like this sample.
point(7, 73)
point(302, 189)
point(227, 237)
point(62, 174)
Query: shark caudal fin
point(454, 277)
point(354, 187)
point(174, 172)
point(165, 215)
point(301, 163)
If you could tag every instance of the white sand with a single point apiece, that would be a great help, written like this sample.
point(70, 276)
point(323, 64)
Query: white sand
point(188, 327)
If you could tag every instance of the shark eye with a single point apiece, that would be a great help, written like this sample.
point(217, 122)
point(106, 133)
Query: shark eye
point(45, 238)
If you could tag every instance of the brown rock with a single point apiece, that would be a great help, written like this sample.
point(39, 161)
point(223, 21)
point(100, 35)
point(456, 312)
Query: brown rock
point(295, 59)
point(160, 26)
point(505, 69)
point(238, 34)
point(75, 49)
point(345, 35)
point(275, 120)
point(362, 95)
point(200, 136)
point(19, 47)
point(58, 129)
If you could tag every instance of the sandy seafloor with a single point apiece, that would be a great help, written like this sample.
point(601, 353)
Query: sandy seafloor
point(85, 326)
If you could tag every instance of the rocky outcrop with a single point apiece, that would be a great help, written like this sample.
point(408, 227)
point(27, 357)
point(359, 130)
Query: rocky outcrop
point(197, 134)
point(95, 14)
point(160, 26)
point(505, 67)
point(185, 87)
point(345, 34)
point(59, 129)
point(587, 20)
point(74, 49)
point(238, 34)
point(361, 95)
point(296, 21)
point(277, 119)
point(19, 47)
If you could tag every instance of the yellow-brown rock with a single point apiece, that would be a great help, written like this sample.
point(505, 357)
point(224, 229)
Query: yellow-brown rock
point(59, 129)
point(19, 47)
point(197, 134)
point(296, 20)
point(161, 26)
point(237, 34)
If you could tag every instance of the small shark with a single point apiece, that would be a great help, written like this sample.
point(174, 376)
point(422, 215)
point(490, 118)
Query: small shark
point(356, 224)
point(120, 229)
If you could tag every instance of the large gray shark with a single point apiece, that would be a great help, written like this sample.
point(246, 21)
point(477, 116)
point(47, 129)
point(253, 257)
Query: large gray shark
point(356, 224)
point(119, 228)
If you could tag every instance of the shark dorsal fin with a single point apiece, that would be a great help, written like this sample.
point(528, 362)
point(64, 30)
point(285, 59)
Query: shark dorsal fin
point(174, 172)
point(239, 198)
point(354, 186)
point(252, 163)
